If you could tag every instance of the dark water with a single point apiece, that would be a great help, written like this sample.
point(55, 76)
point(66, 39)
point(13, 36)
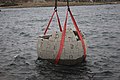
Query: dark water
point(20, 27)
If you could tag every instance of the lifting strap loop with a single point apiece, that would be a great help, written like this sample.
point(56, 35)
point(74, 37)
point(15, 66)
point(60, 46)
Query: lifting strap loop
point(79, 33)
point(62, 40)
point(63, 35)
point(55, 11)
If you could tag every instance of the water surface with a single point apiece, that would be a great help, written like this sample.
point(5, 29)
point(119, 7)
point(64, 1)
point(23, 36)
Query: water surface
point(20, 27)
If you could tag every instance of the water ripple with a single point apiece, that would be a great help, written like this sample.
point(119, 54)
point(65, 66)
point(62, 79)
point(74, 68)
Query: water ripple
point(20, 27)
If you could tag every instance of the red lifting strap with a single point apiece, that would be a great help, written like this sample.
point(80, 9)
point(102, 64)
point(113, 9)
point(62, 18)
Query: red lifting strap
point(63, 37)
point(59, 22)
point(62, 40)
point(51, 21)
point(79, 34)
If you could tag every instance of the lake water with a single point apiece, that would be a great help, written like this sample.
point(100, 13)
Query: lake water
point(20, 27)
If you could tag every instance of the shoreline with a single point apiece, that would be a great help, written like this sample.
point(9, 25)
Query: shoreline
point(51, 4)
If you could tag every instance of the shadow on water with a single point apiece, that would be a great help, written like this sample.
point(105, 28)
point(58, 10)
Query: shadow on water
point(51, 71)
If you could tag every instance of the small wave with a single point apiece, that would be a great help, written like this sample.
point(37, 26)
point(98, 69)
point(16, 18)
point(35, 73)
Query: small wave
point(29, 21)
point(106, 44)
point(118, 49)
point(2, 74)
point(105, 32)
point(107, 73)
point(114, 56)
point(32, 77)
point(24, 34)
point(2, 49)
point(20, 60)
point(112, 37)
